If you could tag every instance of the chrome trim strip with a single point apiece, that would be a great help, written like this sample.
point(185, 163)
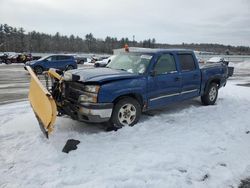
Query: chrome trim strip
point(174, 94)
point(163, 96)
point(189, 91)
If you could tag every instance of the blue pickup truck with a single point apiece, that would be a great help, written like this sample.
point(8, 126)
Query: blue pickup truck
point(135, 82)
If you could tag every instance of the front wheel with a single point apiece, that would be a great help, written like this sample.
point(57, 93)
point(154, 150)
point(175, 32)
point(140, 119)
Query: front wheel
point(126, 112)
point(38, 69)
point(209, 98)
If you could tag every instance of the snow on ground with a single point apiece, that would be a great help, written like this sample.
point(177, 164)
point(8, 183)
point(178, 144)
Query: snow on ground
point(185, 145)
point(241, 65)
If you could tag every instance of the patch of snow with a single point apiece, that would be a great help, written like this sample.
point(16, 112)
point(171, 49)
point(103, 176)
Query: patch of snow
point(215, 59)
point(241, 65)
point(89, 64)
point(185, 145)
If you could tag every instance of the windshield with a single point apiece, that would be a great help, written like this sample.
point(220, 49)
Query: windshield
point(133, 63)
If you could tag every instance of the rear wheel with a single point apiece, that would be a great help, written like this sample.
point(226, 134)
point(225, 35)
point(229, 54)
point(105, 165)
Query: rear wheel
point(81, 62)
point(8, 62)
point(70, 67)
point(127, 112)
point(210, 97)
point(38, 70)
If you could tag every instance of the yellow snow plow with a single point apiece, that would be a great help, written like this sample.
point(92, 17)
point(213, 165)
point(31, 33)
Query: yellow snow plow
point(42, 102)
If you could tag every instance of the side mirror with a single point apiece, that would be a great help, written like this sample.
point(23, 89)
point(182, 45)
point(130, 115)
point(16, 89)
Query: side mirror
point(153, 73)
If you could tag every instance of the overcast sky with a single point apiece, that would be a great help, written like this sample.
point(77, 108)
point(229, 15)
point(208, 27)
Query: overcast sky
point(168, 21)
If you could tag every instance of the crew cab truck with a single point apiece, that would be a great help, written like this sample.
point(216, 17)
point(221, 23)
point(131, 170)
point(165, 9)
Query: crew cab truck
point(135, 82)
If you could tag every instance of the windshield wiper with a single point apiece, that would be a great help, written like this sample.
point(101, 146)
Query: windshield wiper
point(121, 69)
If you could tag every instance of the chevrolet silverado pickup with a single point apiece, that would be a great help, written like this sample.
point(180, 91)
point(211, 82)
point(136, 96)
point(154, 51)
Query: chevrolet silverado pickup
point(132, 83)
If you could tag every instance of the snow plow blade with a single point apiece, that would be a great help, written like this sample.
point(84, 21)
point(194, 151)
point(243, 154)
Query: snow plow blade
point(42, 104)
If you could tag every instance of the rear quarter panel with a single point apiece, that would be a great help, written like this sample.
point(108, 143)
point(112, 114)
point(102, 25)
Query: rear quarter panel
point(209, 74)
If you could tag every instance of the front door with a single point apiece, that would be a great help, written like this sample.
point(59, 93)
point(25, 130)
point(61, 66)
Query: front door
point(50, 62)
point(164, 86)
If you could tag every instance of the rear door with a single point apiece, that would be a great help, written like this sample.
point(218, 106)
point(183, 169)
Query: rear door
point(165, 84)
point(191, 75)
point(66, 60)
point(60, 62)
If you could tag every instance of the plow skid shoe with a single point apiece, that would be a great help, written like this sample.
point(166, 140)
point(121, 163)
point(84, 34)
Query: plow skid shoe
point(42, 104)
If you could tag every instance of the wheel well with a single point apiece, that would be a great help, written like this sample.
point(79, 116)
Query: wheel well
point(39, 67)
point(217, 81)
point(135, 96)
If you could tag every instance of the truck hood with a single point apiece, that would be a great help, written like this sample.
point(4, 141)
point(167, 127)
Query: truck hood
point(101, 74)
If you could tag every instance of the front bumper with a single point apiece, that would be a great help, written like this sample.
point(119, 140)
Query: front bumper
point(89, 112)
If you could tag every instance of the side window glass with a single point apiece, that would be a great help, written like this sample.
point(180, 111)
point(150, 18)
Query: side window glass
point(63, 58)
point(186, 62)
point(58, 58)
point(49, 58)
point(53, 58)
point(67, 58)
point(165, 64)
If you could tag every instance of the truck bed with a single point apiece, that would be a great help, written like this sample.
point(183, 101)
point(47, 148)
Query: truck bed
point(209, 65)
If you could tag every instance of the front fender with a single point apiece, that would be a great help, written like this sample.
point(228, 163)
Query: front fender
point(109, 92)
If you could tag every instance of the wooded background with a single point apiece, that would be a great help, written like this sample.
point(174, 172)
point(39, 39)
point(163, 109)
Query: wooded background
point(17, 40)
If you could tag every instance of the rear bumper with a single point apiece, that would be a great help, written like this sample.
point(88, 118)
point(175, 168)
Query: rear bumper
point(89, 112)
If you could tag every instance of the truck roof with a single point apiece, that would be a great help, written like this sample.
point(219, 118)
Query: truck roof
point(150, 50)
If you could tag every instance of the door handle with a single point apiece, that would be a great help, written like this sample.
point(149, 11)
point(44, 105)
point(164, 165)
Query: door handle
point(195, 76)
point(177, 79)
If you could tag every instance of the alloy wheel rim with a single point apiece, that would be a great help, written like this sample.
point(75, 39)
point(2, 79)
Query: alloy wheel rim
point(39, 70)
point(127, 114)
point(212, 94)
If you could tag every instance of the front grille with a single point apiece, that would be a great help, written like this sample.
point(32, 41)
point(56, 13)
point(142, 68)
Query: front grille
point(72, 90)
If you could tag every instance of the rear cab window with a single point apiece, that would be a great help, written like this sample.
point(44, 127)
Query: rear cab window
point(187, 62)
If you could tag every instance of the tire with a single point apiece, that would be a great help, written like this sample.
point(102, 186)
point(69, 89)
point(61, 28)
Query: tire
point(70, 67)
point(127, 112)
point(81, 62)
point(38, 69)
point(210, 97)
point(8, 62)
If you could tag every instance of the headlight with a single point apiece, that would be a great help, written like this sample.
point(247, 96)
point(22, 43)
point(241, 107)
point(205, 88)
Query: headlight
point(92, 88)
point(67, 76)
point(90, 93)
point(88, 97)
